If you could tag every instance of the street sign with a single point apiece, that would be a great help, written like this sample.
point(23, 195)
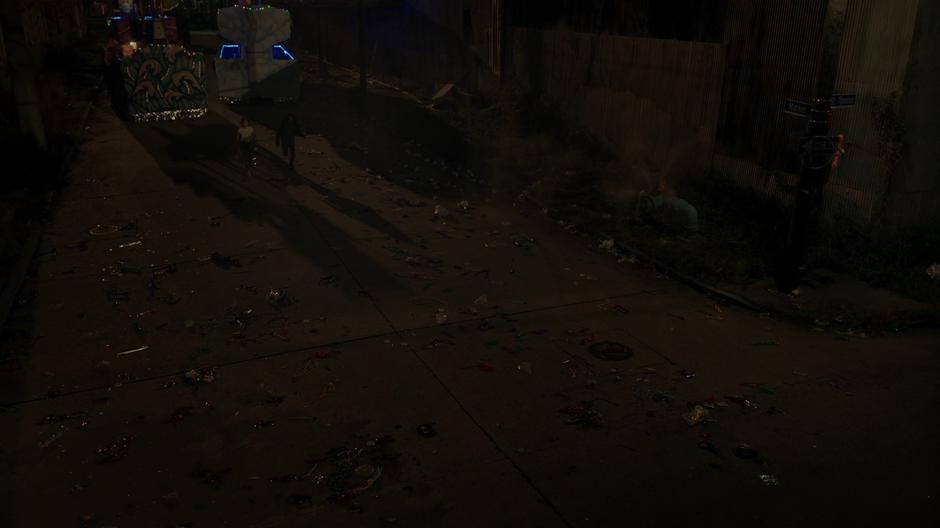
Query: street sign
point(844, 100)
point(797, 108)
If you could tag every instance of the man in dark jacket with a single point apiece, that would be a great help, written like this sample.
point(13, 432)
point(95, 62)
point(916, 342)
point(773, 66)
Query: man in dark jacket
point(286, 133)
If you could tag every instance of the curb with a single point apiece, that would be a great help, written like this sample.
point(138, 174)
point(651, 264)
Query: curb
point(21, 268)
point(672, 272)
point(921, 322)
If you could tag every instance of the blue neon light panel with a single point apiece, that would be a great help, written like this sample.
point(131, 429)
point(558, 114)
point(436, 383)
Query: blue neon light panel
point(281, 53)
point(230, 51)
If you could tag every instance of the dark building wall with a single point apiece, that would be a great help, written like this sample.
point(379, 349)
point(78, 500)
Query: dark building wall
point(648, 100)
point(692, 20)
point(773, 51)
point(915, 195)
point(421, 43)
point(873, 63)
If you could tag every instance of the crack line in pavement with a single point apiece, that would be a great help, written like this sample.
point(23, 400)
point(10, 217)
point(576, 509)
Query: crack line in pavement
point(398, 333)
point(152, 267)
point(426, 235)
point(116, 195)
point(647, 345)
point(330, 344)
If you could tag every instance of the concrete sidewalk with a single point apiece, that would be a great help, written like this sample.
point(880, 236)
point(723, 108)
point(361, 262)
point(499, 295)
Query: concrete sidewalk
point(203, 347)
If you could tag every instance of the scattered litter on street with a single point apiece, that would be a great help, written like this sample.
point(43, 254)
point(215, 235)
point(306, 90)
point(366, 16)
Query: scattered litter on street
point(697, 415)
point(610, 351)
point(662, 397)
point(765, 343)
point(202, 375)
point(117, 450)
point(224, 262)
point(100, 230)
point(181, 413)
point(934, 271)
point(279, 299)
point(584, 414)
point(746, 452)
point(119, 296)
point(769, 480)
point(427, 430)
point(210, 477)
point(743, 402)
point(133, 351)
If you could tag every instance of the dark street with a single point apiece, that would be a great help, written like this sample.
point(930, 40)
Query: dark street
point(416, 324)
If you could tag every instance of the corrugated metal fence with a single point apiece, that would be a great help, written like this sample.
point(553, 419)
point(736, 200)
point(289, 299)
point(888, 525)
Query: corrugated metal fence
point(773, 53)
point(873, 63)
point(640, 96)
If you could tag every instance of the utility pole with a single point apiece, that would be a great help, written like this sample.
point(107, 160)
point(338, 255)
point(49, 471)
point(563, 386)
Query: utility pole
point(819, 149)
point(363, 84)
point(22, 58)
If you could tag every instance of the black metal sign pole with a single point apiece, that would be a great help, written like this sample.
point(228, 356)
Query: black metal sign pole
point(817, 161)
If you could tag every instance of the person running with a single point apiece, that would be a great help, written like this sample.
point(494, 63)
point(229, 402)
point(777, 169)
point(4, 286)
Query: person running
point(286, 134)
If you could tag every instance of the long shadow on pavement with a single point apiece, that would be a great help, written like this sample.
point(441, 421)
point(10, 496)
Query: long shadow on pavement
point(200, 154)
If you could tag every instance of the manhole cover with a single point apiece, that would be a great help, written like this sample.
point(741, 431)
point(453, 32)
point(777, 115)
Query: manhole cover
point(611, 351)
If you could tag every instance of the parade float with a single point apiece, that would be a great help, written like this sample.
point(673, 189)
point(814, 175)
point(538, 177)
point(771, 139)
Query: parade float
point(155, 76)
point(254, 61)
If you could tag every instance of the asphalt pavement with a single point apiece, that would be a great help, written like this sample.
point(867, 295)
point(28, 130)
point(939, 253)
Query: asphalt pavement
point(371, 338)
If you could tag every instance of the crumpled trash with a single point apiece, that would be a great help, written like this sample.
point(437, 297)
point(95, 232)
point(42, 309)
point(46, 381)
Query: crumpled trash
point(133, 351)
point(662, 397)
point(697, 415)
point(769, 480)
point(934, 271)
point(369, 473)
point(441, 211)
point(100, 230)
point(743, 402)
point(607, 244)
point(440, 317)
point(463, 205)
point(117, 450)
point(610, 351)
point(119, 296)
point(202, 375)
point(746, 452)
point(224, 262)
point(277, 298)
point(584, 414)
point(427, 430)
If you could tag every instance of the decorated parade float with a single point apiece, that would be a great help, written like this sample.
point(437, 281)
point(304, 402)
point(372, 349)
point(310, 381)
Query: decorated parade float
point(153, 76)
point(254, 61)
